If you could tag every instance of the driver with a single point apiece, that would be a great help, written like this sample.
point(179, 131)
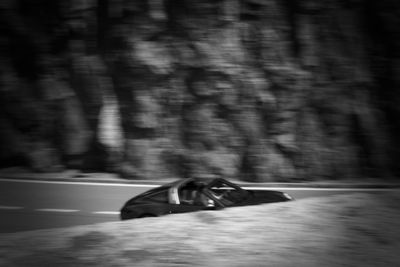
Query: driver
point(222, 197)
point(203, 200)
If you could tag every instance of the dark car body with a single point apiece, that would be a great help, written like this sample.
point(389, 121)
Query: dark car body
point(188, 195)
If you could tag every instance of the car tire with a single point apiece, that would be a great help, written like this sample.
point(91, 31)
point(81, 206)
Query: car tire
point(146, 215)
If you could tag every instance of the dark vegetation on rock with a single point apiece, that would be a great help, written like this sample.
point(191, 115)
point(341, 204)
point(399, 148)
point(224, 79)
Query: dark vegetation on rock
point(259, 90)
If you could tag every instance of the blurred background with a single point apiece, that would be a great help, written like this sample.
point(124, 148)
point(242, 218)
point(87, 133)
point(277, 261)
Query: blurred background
point(258, 90)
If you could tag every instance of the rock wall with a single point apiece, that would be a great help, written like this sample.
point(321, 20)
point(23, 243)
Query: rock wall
point(256, 90)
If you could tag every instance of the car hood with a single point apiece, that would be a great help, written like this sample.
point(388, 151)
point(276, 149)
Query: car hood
point(266, 196)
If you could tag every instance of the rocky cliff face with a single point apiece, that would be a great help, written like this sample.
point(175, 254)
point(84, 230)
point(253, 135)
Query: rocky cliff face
point(258, 90)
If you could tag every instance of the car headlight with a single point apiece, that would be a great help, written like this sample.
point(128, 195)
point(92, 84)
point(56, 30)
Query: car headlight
point(287, 196)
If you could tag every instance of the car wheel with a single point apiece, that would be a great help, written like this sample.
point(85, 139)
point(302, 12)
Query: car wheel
point(147, 215)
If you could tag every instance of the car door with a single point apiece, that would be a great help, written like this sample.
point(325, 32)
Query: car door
point(226, 193)
point(192, 200)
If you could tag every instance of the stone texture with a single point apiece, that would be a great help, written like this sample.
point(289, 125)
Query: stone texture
point(256, 90)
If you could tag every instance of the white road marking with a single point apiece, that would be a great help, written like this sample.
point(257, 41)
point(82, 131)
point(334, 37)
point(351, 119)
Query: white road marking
point(10, 208)
point(59, 210)
point(319, 189)
point(106, 212)
point(56, 210)
point(244, 187)
point(79, 183)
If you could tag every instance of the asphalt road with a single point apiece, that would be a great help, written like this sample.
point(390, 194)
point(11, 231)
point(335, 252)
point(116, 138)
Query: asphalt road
point(30, 205)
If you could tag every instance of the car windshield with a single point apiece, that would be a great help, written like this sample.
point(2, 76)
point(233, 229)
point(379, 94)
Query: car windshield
point(191, 194)
point(228, 194)
point(160, 197)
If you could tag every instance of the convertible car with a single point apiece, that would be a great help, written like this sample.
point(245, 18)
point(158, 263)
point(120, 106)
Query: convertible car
point(188, 195)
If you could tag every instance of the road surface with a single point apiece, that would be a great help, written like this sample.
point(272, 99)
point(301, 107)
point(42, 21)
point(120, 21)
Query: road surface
point(29, 205)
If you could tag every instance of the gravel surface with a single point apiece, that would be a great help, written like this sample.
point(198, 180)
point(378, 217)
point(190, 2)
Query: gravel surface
point(358, 229)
